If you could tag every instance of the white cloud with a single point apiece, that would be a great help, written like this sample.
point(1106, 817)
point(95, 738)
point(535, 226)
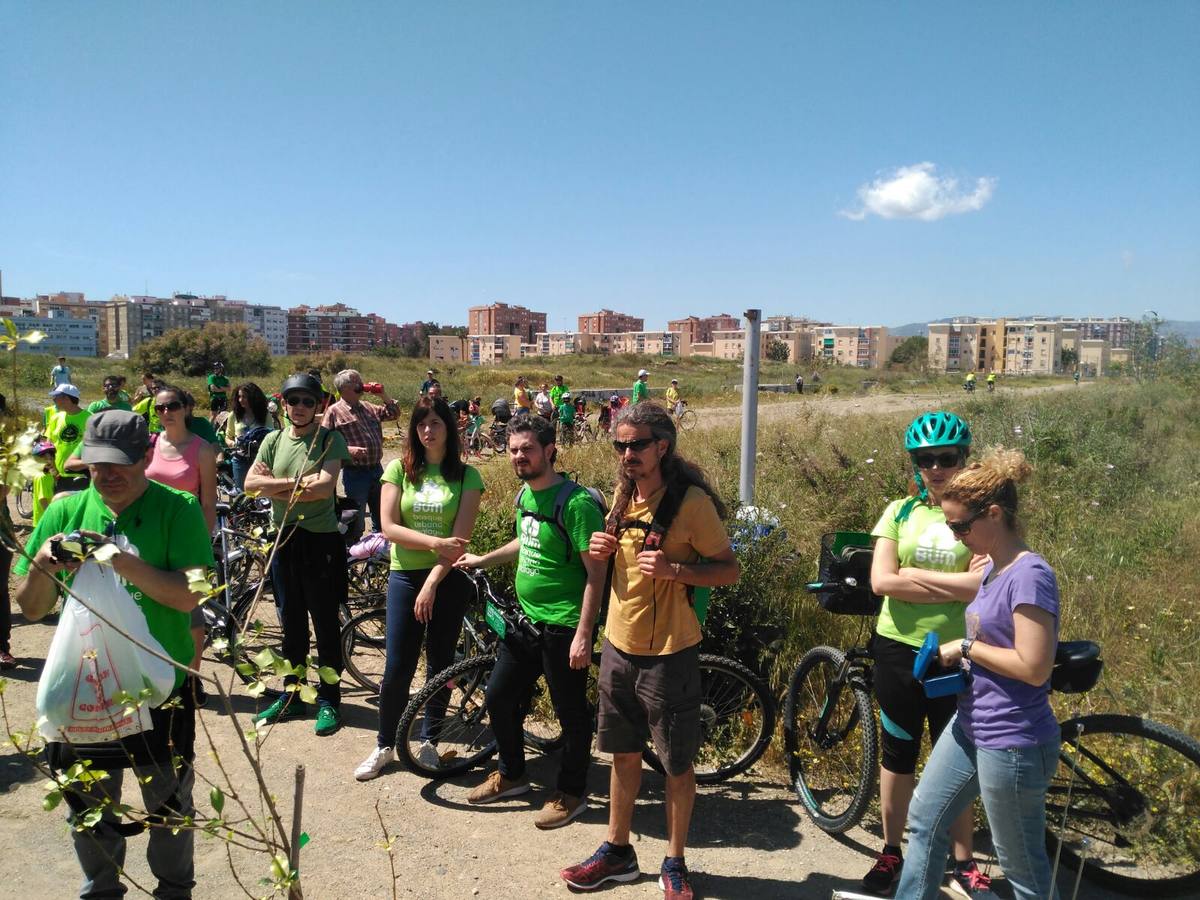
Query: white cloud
point(917, 192)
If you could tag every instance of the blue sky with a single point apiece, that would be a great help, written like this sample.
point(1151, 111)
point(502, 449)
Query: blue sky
point(860, 162)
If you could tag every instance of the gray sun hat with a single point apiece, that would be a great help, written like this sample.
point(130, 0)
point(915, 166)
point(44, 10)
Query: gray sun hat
point(115, 436)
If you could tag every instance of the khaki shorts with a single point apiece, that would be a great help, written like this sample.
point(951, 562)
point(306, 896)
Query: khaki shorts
point(655, 698)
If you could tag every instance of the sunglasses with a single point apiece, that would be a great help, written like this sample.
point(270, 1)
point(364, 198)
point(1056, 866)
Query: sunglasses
point(636, 446)
point(301, 400)
point(172, 406)
point(943, 460)
point(961, 529)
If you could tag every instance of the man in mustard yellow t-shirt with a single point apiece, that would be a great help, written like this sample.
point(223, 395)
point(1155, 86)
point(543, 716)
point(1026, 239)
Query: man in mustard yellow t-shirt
point(650, 665)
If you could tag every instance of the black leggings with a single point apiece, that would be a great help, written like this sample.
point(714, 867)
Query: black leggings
point(903, 706)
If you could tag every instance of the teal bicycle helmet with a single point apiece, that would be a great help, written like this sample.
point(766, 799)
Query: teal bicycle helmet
point(931, 429)
point(937, 429)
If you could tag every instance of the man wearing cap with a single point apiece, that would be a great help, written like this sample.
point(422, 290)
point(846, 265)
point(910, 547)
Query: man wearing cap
point(161, 535)
point(60, 374)
point(218, 389)
point(361, 424)
point(64, 428)
point(641, 388)
point(557, 390)
point(297, 468)
point(429, 380)
point(674, 400)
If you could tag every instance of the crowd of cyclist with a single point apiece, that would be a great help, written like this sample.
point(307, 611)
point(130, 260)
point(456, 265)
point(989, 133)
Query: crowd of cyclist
point(949, 559)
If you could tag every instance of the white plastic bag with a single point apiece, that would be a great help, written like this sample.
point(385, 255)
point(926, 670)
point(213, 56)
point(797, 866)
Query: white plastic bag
point(89, 663)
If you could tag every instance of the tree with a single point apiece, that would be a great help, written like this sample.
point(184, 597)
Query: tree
point(777, 351)
point(1068, 358)
point(192, 352)
point(912, 353)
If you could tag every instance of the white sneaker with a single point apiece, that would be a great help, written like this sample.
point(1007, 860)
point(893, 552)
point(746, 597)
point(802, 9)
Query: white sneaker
point(428, 756)
point(374, 764)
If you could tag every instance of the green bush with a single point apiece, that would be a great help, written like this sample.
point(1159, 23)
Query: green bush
point(192, 352)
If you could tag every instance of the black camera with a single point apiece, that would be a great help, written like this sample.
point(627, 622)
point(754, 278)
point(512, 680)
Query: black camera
point(74, 546)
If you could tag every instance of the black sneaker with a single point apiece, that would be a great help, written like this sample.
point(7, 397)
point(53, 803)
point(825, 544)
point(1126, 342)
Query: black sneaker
point(884, 875)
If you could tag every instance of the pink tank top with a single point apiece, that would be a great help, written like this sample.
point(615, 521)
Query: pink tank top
point(183, 473)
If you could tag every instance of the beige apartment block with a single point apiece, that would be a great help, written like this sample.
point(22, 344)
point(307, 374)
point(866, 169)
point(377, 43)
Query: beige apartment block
point(1119, 356)
point(1032, 347)
point(563, 343)
point(954, 347)
point(488, 349)
point(863, 346)
point(447, 348)
point(650, 343)
point(731, 344)
point(699, 329)
point(1095, 356)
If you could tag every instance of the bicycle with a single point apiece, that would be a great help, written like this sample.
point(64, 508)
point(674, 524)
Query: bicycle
point(737, 710)
point(24, 500)
point(1117, 808)
point(686, 419)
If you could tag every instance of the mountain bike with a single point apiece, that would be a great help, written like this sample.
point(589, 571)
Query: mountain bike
point(737, 710)
point(687, 418)
point(24, 500)
point(1122, 804)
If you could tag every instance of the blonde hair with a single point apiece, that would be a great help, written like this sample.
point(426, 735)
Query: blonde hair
point(991, 480)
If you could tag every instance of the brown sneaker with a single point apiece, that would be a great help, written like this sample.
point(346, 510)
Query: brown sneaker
point(559, 810)
point(497, 787)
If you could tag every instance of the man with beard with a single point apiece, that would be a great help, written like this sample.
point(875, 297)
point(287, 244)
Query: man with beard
point(665, 536)
point(558, 586)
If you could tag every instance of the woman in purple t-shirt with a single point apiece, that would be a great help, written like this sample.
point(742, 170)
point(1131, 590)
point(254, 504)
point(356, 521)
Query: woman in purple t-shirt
point(1003, 743)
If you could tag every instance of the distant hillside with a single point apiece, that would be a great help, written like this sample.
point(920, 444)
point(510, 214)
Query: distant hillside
point(912, 329)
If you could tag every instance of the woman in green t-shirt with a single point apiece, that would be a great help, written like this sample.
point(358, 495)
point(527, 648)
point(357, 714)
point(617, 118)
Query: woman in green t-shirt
point(926, 578)
point(429, 502)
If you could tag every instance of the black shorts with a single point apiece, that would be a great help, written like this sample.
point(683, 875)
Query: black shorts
point(651, 697)
point(903, 707)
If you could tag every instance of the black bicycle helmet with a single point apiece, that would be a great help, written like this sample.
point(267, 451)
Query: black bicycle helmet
point(302, 381)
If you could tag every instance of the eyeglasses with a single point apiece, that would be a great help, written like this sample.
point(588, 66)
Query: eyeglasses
point(948, 460)
point(172, 406)
point(636, 446)
point(961, 529)
point(301, 400)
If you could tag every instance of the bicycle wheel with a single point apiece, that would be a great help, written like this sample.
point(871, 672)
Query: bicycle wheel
point(25, 501)
point(832, 767)
point(737, 718)
point(543, 733)
point(462, 733)
point(366, 586)
point(687, 420)
point(1134, 789)
point(364, 648)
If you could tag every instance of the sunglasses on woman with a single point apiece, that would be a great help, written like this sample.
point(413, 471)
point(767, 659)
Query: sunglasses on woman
point(636, 446)
point(301, 400)
point(942, 460)
point(172, 406)
point(963, 528)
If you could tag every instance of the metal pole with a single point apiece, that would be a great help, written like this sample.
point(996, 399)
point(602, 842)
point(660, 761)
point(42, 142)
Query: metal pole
point(749, 406)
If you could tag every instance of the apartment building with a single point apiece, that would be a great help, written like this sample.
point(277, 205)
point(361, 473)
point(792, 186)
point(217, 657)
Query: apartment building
point(502, 319)
point(337, 327)
point(1118, 330)
point(699, 330)
point(792, 323)
point(651, 343)
point(487, 349)
point(1032, 347)
point(608, 322)
point(64, 335)
point(864, 346)
point(72, 305)
point(563, 343)
point(731, 344)
point(448, 348)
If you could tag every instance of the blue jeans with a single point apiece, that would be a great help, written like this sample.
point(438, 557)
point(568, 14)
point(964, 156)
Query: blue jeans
point(1012, 784)
point(405, 635)
point(361, 484)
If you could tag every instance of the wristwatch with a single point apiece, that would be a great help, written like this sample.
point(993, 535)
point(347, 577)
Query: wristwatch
point(965, 647)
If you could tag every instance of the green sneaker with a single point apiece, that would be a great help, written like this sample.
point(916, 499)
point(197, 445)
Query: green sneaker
point(288, 706)
point(328, 721)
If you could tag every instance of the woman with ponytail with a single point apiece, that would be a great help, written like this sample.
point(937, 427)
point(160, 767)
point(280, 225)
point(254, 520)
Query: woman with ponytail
point(926, 578)
point(1003, 743)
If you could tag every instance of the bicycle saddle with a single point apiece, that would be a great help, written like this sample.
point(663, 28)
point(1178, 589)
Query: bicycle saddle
point(1074, 653)
point(1077, 667)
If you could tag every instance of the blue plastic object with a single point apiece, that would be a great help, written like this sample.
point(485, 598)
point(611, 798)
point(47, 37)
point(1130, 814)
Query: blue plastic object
point(936, 685)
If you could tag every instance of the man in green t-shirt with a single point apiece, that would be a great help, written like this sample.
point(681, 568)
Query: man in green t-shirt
point(559, 586)
point(557, 390)
point(297, 468)
point(112, 397)
point(160, 535)
point(64, 429)
point(641, 388)
point(218, 389)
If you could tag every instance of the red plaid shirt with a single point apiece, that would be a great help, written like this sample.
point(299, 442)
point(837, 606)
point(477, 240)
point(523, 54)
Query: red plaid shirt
point(361, 427)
